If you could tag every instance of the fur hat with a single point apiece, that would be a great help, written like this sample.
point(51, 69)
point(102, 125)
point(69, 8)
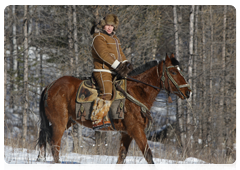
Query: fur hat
point(109, 19)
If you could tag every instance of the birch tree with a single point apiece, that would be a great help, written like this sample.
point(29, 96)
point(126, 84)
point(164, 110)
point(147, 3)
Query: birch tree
point(15, 62)
point(203, 80)
point(223, 74)
point(190, 65)
point(25, 112)
point(179, 102)
point(211, 63)
point(176, 30)
point(5, 71)
point(70, 38)
point(194, 97)
point(210, 59)
point(191, 32)
point(75, 40)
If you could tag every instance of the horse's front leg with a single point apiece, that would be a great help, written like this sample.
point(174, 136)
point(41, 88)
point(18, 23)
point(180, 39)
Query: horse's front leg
point(125, 142)
point(141, 140)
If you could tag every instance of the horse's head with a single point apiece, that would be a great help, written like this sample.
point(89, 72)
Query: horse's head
point(172, 78)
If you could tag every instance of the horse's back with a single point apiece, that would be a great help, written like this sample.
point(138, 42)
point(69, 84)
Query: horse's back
point(61, 96)
point(68, 81)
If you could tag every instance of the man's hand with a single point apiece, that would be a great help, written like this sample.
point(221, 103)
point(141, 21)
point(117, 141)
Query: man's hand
point(124, 68)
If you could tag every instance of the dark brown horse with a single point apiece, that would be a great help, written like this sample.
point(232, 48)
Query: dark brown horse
point(59, 108)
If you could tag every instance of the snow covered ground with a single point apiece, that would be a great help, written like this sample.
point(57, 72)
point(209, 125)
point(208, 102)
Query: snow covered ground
point(16, 158)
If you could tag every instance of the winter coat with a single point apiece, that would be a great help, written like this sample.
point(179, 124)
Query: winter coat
point(106, 52)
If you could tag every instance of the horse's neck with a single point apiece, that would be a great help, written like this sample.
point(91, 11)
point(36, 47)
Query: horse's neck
point(148, 94)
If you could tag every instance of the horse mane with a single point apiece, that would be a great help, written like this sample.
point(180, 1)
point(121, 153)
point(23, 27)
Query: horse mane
point(143, 68)
point(149, 65)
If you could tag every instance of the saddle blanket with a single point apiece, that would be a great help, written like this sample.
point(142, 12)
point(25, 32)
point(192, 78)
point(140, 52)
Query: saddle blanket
point(87, 93)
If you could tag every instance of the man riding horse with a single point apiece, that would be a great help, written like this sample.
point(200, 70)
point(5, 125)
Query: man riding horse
point(108, 60)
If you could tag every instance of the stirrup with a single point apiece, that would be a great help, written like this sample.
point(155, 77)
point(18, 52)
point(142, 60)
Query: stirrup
point(106, 121)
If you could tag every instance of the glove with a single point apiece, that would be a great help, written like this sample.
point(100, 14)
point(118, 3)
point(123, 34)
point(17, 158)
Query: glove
point(124, 68)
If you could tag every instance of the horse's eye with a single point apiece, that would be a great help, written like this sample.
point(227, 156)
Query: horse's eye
point(173, 72)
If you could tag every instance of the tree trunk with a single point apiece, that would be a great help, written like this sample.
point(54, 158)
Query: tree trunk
point(211, 136)
point(179, 116)
point(196, 134)
point(100, 138)
point(77, 128)
point(222, 89)
point(75, 38)
point(195, 58)
point(11, 77)
point(41, 71)
point(25, 27)
point(190, 65)
point(223, 60)
point(204, 94)
point(30, 25)
point(37, 24)
point(191, 32)
point(176, 29)
point(5, 72)
point(15, 62)
point(211, 58)
point(155, 46)
point(70, 39)
point(39, 53)
point(180, 112)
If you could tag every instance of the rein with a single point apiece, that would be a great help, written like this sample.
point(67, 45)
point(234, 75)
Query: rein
point(144, 109)
point(165, 69)
point(129, 78)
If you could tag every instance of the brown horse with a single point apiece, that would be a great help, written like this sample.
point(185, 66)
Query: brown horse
point(59, 107)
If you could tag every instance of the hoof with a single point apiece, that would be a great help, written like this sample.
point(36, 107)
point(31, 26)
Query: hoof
point(41, 159)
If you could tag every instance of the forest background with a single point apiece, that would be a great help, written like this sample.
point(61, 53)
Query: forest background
point(43, 43)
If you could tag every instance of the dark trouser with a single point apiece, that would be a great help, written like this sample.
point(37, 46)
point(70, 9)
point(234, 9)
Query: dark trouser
point(104, 81)
point(103, 102)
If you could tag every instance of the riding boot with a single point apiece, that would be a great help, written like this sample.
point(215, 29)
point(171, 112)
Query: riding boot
point(100, 111)
point(106, 121)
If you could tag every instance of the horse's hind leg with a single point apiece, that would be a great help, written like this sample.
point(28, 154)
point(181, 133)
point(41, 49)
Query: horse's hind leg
point(125, 142)
point(141, 140)
point(56, 142)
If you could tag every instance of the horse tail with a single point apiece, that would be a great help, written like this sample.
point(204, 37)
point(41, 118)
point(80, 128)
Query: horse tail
point(45, 133)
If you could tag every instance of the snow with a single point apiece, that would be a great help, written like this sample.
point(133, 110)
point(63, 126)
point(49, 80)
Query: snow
point(16, 158)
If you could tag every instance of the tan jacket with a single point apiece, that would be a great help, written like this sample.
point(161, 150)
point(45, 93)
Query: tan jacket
point(106, 52)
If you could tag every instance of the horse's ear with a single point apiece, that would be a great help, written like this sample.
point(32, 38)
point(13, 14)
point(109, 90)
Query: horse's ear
point(167, 59)
point(172, 56)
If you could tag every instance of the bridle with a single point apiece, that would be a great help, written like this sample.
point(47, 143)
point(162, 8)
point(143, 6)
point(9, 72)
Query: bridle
point(165, 69)
point(178, 87)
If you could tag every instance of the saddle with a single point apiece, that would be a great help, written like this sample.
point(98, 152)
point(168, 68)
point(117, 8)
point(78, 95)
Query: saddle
point(87, 93)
